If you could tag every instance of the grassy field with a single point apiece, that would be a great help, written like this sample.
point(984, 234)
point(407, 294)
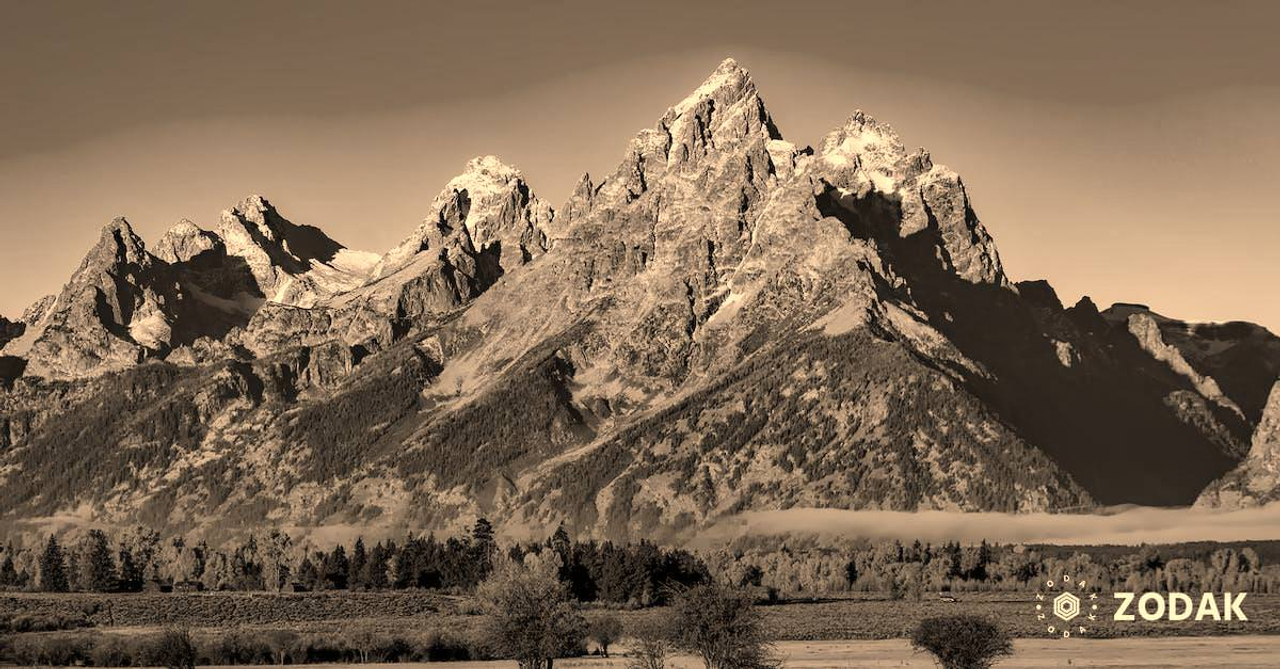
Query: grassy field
point(858, 617)
point(854, 631)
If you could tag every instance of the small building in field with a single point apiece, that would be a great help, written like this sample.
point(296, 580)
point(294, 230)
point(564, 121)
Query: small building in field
point(156, 585)
point(187, 586)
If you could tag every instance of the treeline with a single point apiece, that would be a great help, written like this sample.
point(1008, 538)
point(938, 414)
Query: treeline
point(799, 567)
point(638, 574)
point(632, 574)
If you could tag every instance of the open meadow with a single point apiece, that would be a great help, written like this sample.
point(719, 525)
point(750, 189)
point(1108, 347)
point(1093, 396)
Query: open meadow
point(419, 612)
point(852, 631)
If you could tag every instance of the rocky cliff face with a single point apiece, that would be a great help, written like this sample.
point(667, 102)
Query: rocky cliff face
point(120, 307)
point(485, 224)
point(1256, 481)
point(864, 159)
point(295, 265)
point(1242, 359)
point(725, 321)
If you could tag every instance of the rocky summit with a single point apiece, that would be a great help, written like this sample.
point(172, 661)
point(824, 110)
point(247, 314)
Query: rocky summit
point(727, 321)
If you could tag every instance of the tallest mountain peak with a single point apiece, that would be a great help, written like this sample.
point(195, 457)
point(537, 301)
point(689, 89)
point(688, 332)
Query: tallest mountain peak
point(729, 83)
point(729, 65)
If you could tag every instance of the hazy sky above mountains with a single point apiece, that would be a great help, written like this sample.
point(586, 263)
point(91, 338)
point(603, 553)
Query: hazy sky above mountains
point(1125, 150)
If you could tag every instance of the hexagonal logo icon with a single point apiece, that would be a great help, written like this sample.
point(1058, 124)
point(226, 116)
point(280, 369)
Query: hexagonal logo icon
point(1073, 602)
point(1066, 606)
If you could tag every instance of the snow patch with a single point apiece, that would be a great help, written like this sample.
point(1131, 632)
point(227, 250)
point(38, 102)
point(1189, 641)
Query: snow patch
point(845, 318)
point(150, 329)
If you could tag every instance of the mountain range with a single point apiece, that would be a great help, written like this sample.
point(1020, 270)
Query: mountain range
point(726, 322)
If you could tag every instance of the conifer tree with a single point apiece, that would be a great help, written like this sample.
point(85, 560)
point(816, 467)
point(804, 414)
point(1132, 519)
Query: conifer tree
point(8, 573)
point(53, 568)
point(357, 576)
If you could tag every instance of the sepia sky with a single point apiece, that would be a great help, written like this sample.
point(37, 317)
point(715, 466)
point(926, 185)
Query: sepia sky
point(1125, 150)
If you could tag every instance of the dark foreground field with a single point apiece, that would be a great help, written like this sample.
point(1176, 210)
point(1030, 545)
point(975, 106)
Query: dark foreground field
point(410, 612)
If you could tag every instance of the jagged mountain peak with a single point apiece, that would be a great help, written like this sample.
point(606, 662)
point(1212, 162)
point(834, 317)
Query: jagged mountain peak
point(487, 205)
point(720, 132)
point(865, 158)
point(863, 141)
point(483, 171)
point(256, 217)
point(254, 213)
point(184, 226)
point(727, 97)
point(184, 241)
point(117, 309)
point(729, 83)
point(276, 250)
point(254, 206)
point(489, 185)
point(117, 245)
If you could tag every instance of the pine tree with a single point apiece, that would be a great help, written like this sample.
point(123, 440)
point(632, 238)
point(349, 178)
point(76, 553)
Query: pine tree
point(308, 575)
point(8, 574)
point(356, 573)
point(484, 547)
point(560, 543)
point(334, 569)
point(96, 564)
point(53, 568)
point(131, 577)
point(374, 573)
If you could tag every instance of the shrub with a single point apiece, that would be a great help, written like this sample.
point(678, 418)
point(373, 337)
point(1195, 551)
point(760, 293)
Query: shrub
point(652, 646)
point(441, 648)
point(394, 649)
point(285, 645)
point(327, 648)
point(173, 648)
point(605, 630)
point(365, 643)
point(238, 646)
point(112, 651)
point(24, 650)
point(36, 622)
point(55, 650)
point(962, 641)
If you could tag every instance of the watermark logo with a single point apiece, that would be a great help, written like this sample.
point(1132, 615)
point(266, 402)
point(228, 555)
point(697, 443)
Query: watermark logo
point(1178, 606)
point(1066, 606)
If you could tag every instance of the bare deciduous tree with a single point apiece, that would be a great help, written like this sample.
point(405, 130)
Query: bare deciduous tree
point(605, 631)
point(720, 624)
point(652, 645)
point(530, 616)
